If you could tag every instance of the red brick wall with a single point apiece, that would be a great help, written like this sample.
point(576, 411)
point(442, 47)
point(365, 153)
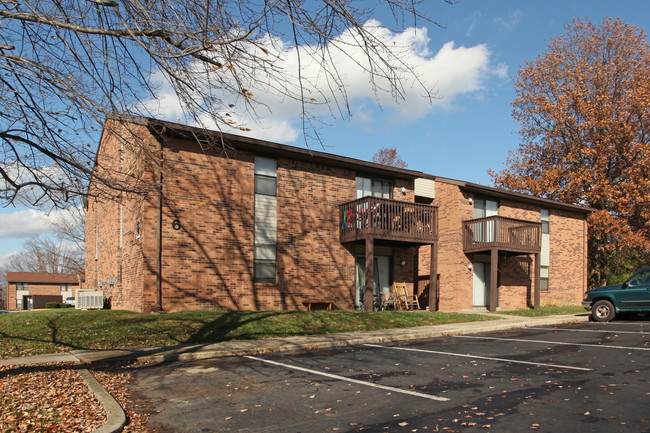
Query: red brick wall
point(10, 302)
point(313, 264)
point(208, 261)
point(113, 248)
point(568, 259)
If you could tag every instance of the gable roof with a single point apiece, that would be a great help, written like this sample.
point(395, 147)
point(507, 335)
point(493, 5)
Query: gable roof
point(41, 278)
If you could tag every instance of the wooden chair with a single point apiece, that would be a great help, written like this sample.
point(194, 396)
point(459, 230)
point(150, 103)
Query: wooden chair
point(400, 295)
point(406, 301)
point(388, 300)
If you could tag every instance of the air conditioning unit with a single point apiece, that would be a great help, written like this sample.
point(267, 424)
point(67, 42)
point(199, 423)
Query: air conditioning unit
point(89, 300)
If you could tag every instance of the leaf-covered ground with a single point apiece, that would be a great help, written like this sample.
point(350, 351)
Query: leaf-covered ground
point(46, 399)
point(54, 398)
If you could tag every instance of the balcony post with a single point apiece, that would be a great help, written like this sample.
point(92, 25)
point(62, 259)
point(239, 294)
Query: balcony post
point(370, 273)
point(433, 278)
point(494, 289)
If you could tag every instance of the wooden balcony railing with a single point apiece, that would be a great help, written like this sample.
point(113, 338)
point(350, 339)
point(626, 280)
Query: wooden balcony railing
point(502, 233)
point(388, 219)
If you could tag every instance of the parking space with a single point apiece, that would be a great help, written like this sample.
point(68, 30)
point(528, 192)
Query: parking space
point(585, 377)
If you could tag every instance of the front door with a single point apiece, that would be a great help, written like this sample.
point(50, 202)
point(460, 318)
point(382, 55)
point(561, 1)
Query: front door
point(481, 284)
point(382, 282)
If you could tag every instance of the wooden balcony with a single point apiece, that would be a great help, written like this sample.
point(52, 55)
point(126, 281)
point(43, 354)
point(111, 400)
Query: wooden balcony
point(506, 234)
point(380, 218)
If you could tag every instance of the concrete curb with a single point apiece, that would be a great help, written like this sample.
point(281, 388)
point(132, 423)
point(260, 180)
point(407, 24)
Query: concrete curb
point(115, 415)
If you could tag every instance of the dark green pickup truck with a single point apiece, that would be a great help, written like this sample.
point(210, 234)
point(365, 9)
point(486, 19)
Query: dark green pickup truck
point(633, 296)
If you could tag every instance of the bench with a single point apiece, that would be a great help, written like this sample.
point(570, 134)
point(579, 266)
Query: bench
point(321, 305)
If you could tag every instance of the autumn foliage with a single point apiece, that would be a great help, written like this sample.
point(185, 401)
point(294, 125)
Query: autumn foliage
point(389, 156)
point(584, 110)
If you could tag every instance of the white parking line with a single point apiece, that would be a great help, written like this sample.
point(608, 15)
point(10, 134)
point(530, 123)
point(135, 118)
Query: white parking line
point(488, 358)
point(642, 324)
point(347, 379)
point(559, 343)
point(590, 330)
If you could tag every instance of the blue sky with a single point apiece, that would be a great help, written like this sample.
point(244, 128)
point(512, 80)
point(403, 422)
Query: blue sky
point(476, 132)
point(465, 132)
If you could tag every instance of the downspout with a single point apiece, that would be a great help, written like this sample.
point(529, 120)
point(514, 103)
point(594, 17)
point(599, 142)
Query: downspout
point(122, 181)
point(159, 212)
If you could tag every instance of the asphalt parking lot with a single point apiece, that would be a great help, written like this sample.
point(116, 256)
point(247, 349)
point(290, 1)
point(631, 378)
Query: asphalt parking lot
point(587, 377)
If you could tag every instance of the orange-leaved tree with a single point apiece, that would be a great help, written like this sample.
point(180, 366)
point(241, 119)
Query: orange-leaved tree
point(584, 109)
point(389, 156)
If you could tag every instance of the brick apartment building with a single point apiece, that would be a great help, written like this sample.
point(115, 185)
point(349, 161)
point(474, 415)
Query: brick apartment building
point(29, 290)
point(255, 225)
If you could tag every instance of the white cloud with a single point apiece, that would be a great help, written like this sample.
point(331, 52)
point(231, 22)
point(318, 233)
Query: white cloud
point(28, 223)
point(451, 71)
point(4, 260)
point(508, 23)
point(268, 129)
point(474, 19)
point(501, 70)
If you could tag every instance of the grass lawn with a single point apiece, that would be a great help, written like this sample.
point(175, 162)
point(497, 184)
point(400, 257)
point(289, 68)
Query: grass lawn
point(51, 331)
point(545, 311)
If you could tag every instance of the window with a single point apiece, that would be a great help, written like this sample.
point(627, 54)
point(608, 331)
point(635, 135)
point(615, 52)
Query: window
point(265, 260)
point(543, 279)
point(545, 221)
point(485, 231)
point(22, 290)
point(266, 217)
point(265, 185)
point(545, 257)
point(485, 208)
point(641, 278)
point(374, 188)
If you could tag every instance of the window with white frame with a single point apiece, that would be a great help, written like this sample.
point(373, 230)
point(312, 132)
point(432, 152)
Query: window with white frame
point(266, 217)
point(545, 256)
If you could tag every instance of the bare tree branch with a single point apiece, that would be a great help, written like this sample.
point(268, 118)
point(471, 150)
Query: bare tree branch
point(67, 65)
